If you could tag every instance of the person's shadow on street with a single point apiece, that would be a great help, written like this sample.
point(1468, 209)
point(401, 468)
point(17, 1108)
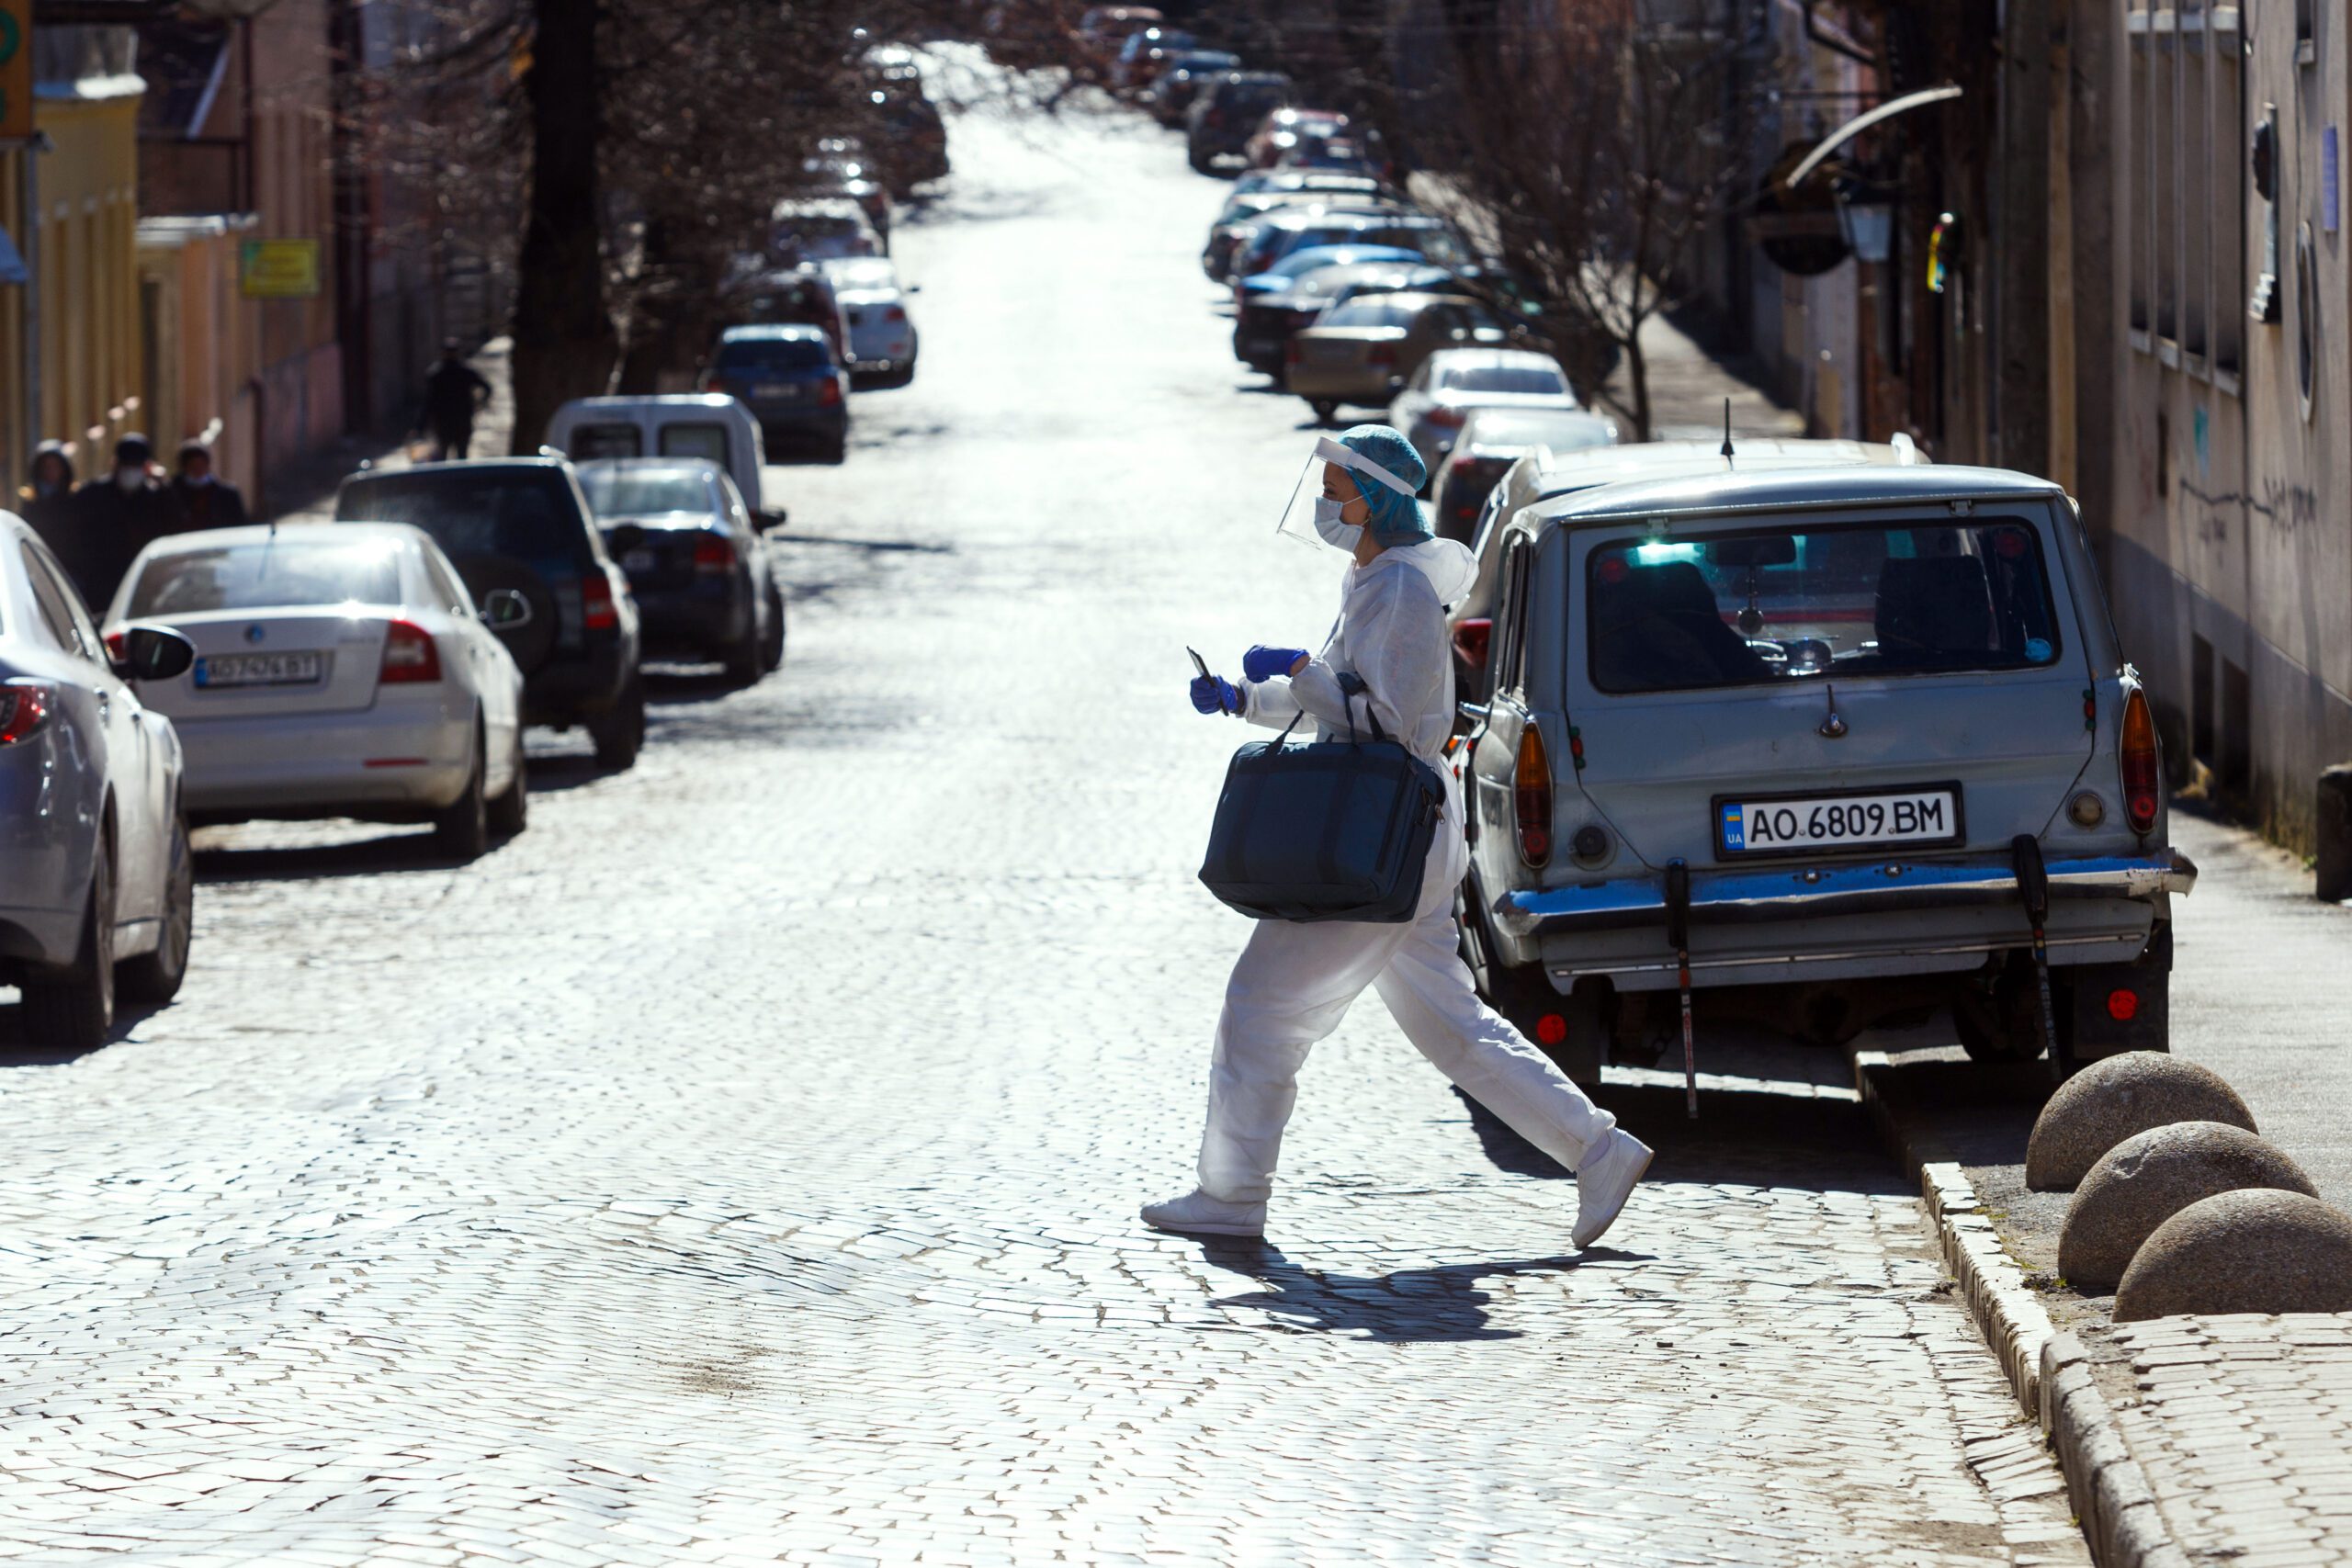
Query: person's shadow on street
point(1408, 1305)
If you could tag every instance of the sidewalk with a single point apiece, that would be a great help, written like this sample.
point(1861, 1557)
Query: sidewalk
point(1688, 386)
point(303, 490)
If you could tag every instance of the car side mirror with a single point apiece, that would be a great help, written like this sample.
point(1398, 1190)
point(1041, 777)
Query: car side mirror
point(772, 518)
point(153, 653)
point(914, 289)
point(503, 609)
point(623, 537)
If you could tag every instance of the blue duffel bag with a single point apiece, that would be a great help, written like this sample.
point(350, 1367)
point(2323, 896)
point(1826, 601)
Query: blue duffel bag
point(1331, 830)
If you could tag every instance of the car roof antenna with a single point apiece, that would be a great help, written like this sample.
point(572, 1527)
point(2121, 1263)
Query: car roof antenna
point(1726, 453)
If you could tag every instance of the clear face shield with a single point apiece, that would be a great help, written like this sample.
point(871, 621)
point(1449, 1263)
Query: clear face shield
point(1316, 501)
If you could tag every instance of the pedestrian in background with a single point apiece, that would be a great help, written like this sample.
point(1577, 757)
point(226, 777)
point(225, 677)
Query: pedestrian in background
point(454, 393)
point(1295, 981)
point(119, 514)
point(210, 501)
point(50, 505)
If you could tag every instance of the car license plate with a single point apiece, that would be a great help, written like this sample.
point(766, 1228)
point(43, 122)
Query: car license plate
point(261, 669)
point(1795, 824)
point(640, 561)
point(775, 391)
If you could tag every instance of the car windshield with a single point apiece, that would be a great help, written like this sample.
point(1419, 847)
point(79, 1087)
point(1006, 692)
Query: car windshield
point(774, 354)
point(1505, 378)
point(274, 574)
point(1559, 430)
point(863, 273)
point(1367, 313)
point(1799, 602)
point(640, 492)
point(527, 516)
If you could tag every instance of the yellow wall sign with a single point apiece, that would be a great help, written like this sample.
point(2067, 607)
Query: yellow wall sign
point(278, 269)
point(15, 70)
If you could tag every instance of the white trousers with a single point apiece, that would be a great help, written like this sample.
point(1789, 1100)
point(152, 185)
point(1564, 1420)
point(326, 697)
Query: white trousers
point(1293, 984)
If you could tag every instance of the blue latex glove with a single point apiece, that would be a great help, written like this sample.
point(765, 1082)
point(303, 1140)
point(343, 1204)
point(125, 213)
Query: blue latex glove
point(1215, 694)
point(1263, 663)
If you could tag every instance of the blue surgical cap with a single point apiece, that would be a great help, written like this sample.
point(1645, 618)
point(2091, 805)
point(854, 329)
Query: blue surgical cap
point(1396, 519)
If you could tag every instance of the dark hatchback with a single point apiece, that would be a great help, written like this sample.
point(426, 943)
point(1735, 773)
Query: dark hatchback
point(523, 525)
point(697, 563)
point(793, 383)
point(1226, 111)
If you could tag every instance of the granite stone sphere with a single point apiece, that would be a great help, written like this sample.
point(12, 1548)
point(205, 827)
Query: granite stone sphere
point(2256, 1249)
point(2149, 1178)
point(2114, 1098)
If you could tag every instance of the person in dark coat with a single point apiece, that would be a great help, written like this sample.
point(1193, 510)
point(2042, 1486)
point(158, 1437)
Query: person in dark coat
point(50, 505)
point(119, 514)
point(454, 393)
point(209, 501)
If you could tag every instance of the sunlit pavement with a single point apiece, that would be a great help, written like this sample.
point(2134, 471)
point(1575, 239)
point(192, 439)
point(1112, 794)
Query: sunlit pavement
point(742, 1164)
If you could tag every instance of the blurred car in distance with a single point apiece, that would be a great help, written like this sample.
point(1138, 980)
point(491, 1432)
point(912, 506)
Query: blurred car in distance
point(1173, 91)
point(521, 524)
point(1145, 54)
point(1308, 283)
point(1230, 238)
point(803, 231)
point(1361, 351)
point(1103, 30)
point(1282, 232)
point(1438, 397)
point(790, 379)
point(872, 304)
point(1284, 129)
point(1225, 110)
point(799, 295)
point(1489, 442)
point(840, 167)
point(97, 881)
point(710, 425)
point(705, 587)
point(340, 672)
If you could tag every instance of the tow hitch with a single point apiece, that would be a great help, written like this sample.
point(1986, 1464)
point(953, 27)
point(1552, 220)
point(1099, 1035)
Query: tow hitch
point(1677, 932)
point(2033, 887)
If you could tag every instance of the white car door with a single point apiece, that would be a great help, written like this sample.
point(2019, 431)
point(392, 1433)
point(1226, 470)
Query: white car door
point(490, 673)
point(138, 771)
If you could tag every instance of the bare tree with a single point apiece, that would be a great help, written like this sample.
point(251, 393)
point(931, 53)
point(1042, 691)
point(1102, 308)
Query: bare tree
point(1593, 149)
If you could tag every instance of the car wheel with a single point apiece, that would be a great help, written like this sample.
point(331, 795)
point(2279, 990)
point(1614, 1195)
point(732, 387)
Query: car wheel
point(155, 977)
point(771, 643)
point(511, 812)
point(620, 733)
point(2000, 1022)
point(75, 1012)
point(742, 661)
point(1326, 411)
point(461, 828)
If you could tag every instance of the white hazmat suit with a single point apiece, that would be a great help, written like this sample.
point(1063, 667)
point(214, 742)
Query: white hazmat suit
point(1294, 981)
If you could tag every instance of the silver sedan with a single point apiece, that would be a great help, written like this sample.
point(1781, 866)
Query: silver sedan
point(97, 887)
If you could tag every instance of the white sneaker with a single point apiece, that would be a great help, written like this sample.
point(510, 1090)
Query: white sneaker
point(1604, 1181)
point(1197, 1213)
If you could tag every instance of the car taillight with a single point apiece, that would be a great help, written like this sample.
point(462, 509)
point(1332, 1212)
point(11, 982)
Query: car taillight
point(1445, 416)
point(830, 393)
point(2141, 792)
point(1293, 352)
point(408, 655)
point(25, 706)
point(596, 611)
point(1381, 353)
point(1471, 637)
point(117, 646)
point(1531, 797)
point(894, 314)
point(713, 554)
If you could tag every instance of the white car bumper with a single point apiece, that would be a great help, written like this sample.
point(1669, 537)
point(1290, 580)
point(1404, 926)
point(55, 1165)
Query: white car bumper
point(408, 757)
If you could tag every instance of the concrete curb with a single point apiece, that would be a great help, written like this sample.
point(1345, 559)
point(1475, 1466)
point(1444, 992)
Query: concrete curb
point(2049, 1371)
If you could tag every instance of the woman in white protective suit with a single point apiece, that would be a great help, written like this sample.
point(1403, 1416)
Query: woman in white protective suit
point(1294, 981)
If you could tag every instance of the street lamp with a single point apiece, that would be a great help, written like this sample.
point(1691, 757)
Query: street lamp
point(1868, 228)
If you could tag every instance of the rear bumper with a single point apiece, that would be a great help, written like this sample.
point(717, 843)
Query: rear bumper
point(681, 620)
point(310, 763)
point(1760, 926)
point(1340, 383)
point(576, 685)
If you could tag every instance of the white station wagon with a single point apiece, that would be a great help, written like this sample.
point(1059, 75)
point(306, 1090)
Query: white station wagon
point(1860, 738)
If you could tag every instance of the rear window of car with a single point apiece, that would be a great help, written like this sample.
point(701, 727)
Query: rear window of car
point(615, 492)
point(1366, 313)
point(1798, 602)
point(276, 574)
point(528, 516)
point(695, 440)
point(590, 442)
point(1505, 378)
point(774, 354)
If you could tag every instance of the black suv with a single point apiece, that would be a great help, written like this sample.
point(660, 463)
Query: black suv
point(1227, 110)
point(523, 525)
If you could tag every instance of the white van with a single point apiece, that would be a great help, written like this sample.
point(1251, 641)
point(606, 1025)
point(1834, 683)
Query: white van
point(677, 424)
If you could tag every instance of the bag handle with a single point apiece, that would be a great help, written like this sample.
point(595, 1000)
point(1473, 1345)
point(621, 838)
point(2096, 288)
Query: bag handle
point(1351, 686)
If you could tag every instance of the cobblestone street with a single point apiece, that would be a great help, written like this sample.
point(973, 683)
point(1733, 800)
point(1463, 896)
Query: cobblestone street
point(742, 1164)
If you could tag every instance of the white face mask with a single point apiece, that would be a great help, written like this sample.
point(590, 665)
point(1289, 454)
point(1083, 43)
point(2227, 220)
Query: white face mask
point(130, 479)
point(202, 478)
point(1338, 534)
